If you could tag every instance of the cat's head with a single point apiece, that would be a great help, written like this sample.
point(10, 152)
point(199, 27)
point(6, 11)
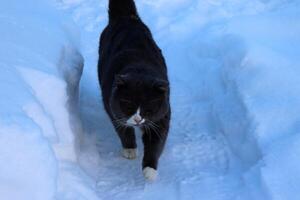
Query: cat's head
point(137, 100)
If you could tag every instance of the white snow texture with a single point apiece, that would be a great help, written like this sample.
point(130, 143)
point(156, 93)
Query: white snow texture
point(234, 70)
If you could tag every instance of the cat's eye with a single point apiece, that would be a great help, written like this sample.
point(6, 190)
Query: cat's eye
point(153, 101)
point(125, 101)
point(148, 112)
point(127, 105)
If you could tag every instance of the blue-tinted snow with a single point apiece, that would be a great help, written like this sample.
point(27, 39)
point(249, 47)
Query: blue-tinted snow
point(233, 67)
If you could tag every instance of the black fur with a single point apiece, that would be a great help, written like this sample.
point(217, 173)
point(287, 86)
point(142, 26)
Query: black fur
point(132, 73)
point(124, 8)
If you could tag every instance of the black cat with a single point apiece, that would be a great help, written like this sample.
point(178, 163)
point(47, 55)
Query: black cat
point(134, 82)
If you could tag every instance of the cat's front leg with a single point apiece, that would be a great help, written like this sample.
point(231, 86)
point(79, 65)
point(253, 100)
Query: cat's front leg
point(127, 137)
point(154, 139)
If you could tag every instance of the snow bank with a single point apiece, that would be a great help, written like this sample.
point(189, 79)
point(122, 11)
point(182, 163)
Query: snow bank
point(251, 66)
point(269, 84)
point(40, 72)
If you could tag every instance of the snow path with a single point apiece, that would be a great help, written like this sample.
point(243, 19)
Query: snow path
point(210, 145)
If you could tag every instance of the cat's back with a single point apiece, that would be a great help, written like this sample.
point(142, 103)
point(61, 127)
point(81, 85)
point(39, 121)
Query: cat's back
point(128, 33)
point(124, 41)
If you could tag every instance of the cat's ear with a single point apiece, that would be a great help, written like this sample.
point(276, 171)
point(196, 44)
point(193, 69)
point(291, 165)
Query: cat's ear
point(120, 80)
point(161, 85)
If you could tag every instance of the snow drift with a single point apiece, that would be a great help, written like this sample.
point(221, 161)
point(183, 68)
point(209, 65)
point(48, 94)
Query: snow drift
point(40, 72)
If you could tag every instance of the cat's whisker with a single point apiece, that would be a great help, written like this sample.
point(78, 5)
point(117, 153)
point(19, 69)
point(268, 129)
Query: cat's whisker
point(156, 131)
point(149, 132)
point(123, 128)
point(153, 123)
point(120, 125)
point(119, 120)
point(155, 128)
point(146, 131)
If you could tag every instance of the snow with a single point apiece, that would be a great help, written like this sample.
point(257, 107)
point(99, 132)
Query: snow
point(233, 67)
point(38, 140)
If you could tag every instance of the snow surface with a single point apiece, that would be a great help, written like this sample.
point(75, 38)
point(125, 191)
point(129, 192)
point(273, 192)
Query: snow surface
point(235, 130)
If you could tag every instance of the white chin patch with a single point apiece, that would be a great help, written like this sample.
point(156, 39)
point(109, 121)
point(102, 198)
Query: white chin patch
point(129, 153)
point(150, 174)
point(135, 119)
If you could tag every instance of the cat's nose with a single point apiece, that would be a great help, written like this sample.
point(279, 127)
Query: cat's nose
point(137, 119)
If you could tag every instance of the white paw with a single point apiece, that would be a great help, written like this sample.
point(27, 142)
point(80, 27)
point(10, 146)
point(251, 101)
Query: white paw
point(150, 173)
point(129, 153)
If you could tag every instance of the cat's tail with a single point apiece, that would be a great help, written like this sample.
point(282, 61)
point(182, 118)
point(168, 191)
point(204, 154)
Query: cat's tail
point(122, 8)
